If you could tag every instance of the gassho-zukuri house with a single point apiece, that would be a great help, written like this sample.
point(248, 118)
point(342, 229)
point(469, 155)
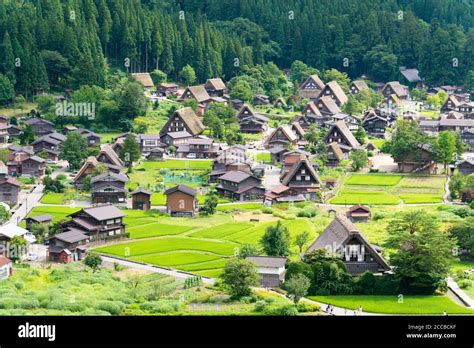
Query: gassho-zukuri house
point(341, 238)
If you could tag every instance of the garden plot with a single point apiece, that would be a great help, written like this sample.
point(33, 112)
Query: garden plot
point(386, 189)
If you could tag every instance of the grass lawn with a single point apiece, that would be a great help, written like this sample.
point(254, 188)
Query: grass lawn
point(156, 229)
point(159, 245)
point(238, 206)
point(377, 142)
point(390, 304)
point(265, 157)
point(177, 164)
point(58, 213)
point(389, 189)
point(108, 137)
point(52, 198)
point(373, 180)
point(364, 197)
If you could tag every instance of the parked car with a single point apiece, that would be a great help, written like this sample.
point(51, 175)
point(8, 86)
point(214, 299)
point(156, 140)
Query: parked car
point(191, 156)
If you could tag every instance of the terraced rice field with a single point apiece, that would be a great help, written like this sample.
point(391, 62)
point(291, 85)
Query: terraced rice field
point(201, 246)
point(388, 189)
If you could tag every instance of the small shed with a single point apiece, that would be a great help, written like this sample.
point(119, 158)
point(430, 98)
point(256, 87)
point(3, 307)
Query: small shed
point(6, 269)
point(141, 199)
point(271, 270)
point(359, 213)
point(181, 200)
point(156, 154)
point(40, 219)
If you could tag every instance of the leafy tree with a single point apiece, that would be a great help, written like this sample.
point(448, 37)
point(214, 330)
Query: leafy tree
point(361, 135)
point(130, 151)
point(276, 240)
point(93, 261)
point(6, 90)
point(108, 111)
point(242, 90)
point(220, 115)
point(238, 276)
point(353, 106)
point(300, 71)
point(406, 139)
point(187, 75)
point(210, 204)
point(158, 76)
point(132, 102)
point(247, 250)
point(423, 251)
point(297, 286)
point(358, 159)
point(301, 239)
point(381, 62)
point(28, 135)
point(73, 150)
point(52, 185)
point(445, 148)
point(4, 214)
point(463, 233)
point(340, 77)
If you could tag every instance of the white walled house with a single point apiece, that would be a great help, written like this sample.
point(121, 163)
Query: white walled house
point(271, 269)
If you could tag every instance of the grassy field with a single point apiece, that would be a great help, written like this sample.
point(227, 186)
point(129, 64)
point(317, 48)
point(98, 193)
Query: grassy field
point(389, 189)
point(176, 164)
point(391, 304)
point(52, 198)
point(74, 290)
point(264, 157)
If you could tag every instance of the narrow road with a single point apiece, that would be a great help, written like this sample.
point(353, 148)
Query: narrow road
point(31, 200)
point(154, 269)
point(447, 193)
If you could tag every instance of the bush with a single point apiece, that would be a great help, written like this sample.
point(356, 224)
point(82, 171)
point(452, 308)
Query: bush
point(304, 307)
point(19, 285)
point(308, 212)
point(267, 210)
point(260, 306)
point(379, 215)
point(113, 308)
point(285, 310)
point(464, 283)
point(27, 304)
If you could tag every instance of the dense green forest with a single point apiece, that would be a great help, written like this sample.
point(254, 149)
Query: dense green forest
point(68, 43)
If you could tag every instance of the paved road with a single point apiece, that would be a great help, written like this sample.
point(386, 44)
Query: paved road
point(154, 269)
point(272, 177)
point(29, 202)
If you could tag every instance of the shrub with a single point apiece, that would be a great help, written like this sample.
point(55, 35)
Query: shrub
point(285, 310)
point(113, 308)
point(19, 285)
point(260, 306)
point(465, 283)
point(27, 304)
point(379, 215)
point(308, 212)
point(267, 210)
point(304, 307)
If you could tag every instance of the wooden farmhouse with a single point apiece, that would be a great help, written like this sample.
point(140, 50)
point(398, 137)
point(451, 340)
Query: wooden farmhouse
point(271, 270)
point(40, 126)
point(88, 169)
point(466, 167)
point(98, 222)
point(311, 88)
point(199, 94)
point(181, 200)
point(340, 134)
point(9, 187)
point(335, 155)
point(183, 120)
point(327, 106)
point(109, 157)
point(282, 137)
point(109, 188)
point(141, 199)
point(395, 88)
point(376, 124)
point(166, 89)
point(240, 186)
point(357, 86)
point(44, 219)
point(419, 161)
point(144, 79)
point(215, 87)
point(341, 238)
point(69, 246)
point(358, 213)
point(303, 179)
point(335, 92)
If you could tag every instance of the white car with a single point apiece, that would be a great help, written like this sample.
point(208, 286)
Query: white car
point(191, 156)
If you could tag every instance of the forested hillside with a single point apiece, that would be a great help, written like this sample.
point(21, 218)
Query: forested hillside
point(64, 44)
